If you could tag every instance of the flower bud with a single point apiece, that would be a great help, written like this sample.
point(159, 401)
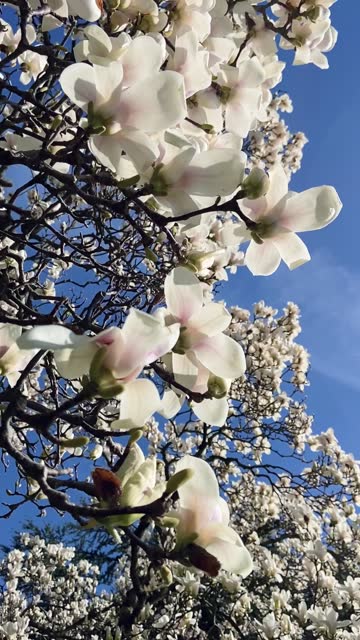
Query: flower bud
point(79, 441)
point(216, 387)
point(203, 560)
point(166, 574)
point(136, 434)
point(256, 184)
point(106, 385)
point(177, 480)
point(107, 485)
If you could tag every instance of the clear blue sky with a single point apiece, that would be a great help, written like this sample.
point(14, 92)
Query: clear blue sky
point(326, 108)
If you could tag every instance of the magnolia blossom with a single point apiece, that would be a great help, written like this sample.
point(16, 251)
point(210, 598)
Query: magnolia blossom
point(202, 325)
point(113, 96)
point(32, 64)
point(124, 353)
point(279, 215)
point(191, 180)
point(241, 94)
point(203, 518)
point(191, 60)
point(12, 359)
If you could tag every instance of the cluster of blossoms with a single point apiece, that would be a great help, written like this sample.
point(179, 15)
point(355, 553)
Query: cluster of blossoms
point(158, 163)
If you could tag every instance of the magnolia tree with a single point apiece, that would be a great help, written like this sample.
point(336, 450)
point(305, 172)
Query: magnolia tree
point(144, 159)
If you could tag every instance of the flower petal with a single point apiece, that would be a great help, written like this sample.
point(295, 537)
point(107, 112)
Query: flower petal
point(139, 400)
point(222, 355)
point(215, 172)
point(183, 294)
point(292, 249)
point(78, 83)
point(212, 411)
point(202, 482)
point(262, 259)
point(74, 363)
point(234, 558)
point(312, 209)
point(164, 105)
point(213, 318)
point(49, 336)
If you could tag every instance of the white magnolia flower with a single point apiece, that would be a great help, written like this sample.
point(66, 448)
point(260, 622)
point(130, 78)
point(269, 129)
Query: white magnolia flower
point(142, 340)
point(279, 215)
point(203, 518)
point(113, 97)
point(241, 94)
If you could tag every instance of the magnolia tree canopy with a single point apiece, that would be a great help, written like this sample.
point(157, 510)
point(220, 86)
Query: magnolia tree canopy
point(143, 160)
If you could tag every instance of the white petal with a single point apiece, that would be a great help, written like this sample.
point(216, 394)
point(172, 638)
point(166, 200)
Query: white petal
point(292, 249)
point(154, 104)
point(212, 411)
point(184, 370)
point(86, 9)
point(222, 355)
point(212, 319)
point(312, 209)
point(139, 401)
point(78, 82)
point(141, 483)
point(183, 294)
point(203, 481)
point(141, 59)
point(133, 461)
point(216, 172)
point(74, 363)
point(232, 558)
point(262, 259)
point(171, 404)
point(278, 186)
point(108, 150)
point(50, 337)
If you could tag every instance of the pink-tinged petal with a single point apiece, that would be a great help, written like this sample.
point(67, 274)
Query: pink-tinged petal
point(50, 337)
point(212, 319)
point(183, 294)
point(78, 82)
point(254, 209)
point(140, 60)
point(212, 173)
point(203, 481)
point(312, 209)
point(154, 104)
point(143, 340)
point(222, 355)
point(139, 400)
point(292, 249)
point(212, 411)
point(234, 558)
point(262, 259)
point(174, 170)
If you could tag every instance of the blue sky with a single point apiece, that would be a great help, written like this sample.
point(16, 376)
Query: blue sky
point(326, 107)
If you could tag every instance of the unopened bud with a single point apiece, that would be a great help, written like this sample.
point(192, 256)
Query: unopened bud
point(256, 184)
point(177, 480)
point(106, 385)
point(150, 255)
point(79, 441)
point(166, 574)
point(136, 434)
point(107, 485)
point(217, 387)
point(128, 182)
point(203, 560)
